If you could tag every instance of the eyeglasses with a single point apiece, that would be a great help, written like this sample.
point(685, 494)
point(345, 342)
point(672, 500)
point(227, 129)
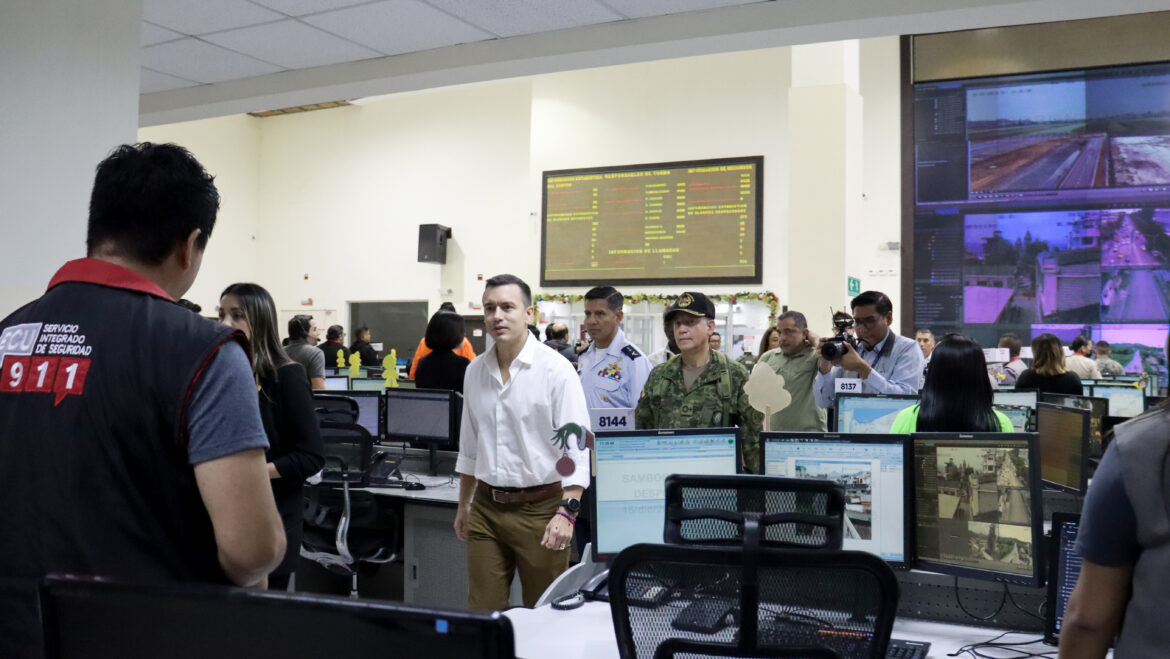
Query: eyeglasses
point(868, 321)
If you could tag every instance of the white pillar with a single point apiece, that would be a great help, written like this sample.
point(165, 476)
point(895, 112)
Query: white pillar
point(68, 94)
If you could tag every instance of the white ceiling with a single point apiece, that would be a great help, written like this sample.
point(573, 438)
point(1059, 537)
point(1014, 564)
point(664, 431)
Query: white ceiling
point(185, 44)
point(208, 58)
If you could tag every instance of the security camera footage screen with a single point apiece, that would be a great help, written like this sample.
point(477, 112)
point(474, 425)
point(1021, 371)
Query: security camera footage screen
point(1042, 204)
point(654, 223)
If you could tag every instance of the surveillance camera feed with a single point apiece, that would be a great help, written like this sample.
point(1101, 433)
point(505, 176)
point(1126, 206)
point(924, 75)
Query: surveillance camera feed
point(1043, 205)
point(974, 506)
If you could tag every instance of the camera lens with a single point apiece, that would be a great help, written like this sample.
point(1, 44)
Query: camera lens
point(833, 350)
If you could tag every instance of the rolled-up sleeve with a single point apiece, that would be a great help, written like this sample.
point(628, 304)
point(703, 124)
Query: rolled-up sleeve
point(468, 435)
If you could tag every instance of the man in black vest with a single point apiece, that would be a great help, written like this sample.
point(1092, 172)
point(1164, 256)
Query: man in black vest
point(131, 445)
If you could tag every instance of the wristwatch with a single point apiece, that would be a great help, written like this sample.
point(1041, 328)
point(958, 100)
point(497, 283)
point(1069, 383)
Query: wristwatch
point(571, 505)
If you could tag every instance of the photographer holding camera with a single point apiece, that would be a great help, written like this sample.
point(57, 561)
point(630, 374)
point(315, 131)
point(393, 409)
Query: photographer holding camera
point(876, 362)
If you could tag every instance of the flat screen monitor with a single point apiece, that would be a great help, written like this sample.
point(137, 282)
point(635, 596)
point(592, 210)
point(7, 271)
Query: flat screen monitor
point(367, 384)
point(977, 505)
point(1064, 568)
point(870, 413)
point(1064, 446)
point(1019, 397)
point(1098, 409)
point(629, 489)
point(426, 415)
point(336, 382)
point(1019, 415)
point(91, 619)
point(656, 223)
point(1124, 399)
point(871, 468)
point(369, 410)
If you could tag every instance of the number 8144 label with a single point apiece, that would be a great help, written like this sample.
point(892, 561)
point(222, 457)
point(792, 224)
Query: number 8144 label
point(62, 376)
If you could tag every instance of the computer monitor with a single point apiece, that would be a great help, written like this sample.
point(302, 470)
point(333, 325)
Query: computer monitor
point(629, 492)
point(1064, 568)
point(367, 384)
point(870, 413)
point(106, 620)
point(1019, 415)
point(1124, 399)
point(1018, 397)
point(1064, 446)
point(336, 382)
point(427, 417)
point(1098, 409)
point(977, 505)
point(369, 410)
point(871, 468)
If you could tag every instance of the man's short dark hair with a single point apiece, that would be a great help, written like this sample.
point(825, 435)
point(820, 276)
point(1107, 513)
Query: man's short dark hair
point(444, 332)
point(364, 330)
point(1078, 343)
point(924, 330)
point(1103, 348)
point(796, 316)
point(881, 303)
point(298, 327)
point(504, 280)
point(556, 332)
point(334, 333)
point(717, 334)
point(613, 299)
point(448, 307)
point(1012, 343)
point(147, 199)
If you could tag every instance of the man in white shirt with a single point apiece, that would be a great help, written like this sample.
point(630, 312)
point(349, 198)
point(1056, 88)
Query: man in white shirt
point(523, 461)
point(1079, 362)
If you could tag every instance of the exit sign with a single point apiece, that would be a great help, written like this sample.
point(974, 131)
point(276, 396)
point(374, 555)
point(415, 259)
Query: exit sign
point(854, 286)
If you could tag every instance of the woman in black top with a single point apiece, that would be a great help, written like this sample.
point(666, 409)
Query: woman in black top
point(295, 448)
point(442, 368)
point(1048, 375)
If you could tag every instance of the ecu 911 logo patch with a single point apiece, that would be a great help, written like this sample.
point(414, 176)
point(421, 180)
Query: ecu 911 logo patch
point(30, 360)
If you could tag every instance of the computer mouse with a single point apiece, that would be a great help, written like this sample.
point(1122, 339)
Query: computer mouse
point(412, 485)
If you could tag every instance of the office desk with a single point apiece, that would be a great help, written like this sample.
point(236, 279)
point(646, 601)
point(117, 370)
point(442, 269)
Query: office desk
point(587, 633)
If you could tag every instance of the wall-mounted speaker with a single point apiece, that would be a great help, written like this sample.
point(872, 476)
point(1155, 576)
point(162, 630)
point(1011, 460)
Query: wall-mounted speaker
point(432, 243)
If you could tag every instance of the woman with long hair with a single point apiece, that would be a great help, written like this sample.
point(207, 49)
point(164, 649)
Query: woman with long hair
point(295, 448)
point(957, 395)
point(442, 368)
point(1048, 374)
point(769, 341)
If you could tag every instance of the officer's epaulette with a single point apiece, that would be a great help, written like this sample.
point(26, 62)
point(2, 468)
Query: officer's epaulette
point(631, 352)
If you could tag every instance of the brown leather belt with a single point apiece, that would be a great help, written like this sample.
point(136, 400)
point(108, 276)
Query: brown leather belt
point(520, 494)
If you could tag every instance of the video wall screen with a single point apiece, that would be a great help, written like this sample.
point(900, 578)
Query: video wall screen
point(1042, 204)
point(660, 223)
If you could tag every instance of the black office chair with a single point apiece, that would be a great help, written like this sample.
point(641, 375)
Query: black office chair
point(790, 512)
point(672, 601)
point(344, 527)
point(339, 409)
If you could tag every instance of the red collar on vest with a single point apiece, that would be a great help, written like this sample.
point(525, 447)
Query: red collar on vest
point(96, 271)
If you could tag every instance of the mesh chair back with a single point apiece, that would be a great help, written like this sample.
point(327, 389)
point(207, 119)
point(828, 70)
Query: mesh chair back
point(792, 512)
point(673, 601)
point(348, 451)
point(338, 409)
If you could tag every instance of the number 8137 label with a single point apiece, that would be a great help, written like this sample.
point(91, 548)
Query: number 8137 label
point(62, 376)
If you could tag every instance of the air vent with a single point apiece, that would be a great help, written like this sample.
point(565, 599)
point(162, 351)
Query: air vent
point(300, 108)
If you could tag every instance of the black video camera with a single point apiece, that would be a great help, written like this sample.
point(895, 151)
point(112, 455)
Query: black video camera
point(834, 348)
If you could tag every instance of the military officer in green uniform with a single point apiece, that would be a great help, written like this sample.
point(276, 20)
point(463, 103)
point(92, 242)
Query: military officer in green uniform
point(699, 387)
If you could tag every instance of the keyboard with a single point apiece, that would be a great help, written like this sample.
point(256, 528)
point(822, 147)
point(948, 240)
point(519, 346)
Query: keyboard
point(900, 649)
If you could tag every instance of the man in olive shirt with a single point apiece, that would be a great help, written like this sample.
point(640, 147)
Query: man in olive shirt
point(796, 361)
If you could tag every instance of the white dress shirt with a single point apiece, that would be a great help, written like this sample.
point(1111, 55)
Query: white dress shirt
point(506, 435)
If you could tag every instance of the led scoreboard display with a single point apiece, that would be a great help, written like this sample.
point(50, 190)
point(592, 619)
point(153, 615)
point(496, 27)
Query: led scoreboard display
point(659, 223)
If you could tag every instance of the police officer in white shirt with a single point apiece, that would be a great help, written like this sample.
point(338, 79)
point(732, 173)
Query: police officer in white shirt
point(523, 461)
point(613, 370)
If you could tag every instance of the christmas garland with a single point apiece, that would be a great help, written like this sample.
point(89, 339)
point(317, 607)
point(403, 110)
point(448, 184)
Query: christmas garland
point(767, 297)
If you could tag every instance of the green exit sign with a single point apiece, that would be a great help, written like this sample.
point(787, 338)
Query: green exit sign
point(854, 286)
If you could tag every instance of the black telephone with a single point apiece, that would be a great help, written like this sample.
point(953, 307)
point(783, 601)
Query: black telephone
point(383, 468)
point(594, 589)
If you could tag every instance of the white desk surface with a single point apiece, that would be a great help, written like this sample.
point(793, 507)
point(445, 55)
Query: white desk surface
point(440, 489)
point(587, 633)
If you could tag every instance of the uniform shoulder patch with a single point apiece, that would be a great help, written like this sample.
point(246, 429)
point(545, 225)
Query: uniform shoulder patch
point(631, 352)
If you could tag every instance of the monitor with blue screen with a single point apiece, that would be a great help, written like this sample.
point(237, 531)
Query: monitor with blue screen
point(629, 495)
point(336, 382)
point(871, 468)
point(1019, 415)
point(870, 413)
point(1019, 397)
point(367, 384)
point(368, 413)
point(1125, 400)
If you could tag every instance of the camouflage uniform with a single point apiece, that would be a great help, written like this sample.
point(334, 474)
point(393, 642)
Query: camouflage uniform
point(716, 400)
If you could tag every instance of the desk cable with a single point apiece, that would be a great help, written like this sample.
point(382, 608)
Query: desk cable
point(975, 649)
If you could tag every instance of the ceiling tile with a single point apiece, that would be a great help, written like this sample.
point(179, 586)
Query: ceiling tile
point(302, 7)
point(201, 61)
point(203, 16)
point(152, 34)
point(508, 18)
point(397, 26)
point(291, 44)
point(644, 8)
point(153, 81)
